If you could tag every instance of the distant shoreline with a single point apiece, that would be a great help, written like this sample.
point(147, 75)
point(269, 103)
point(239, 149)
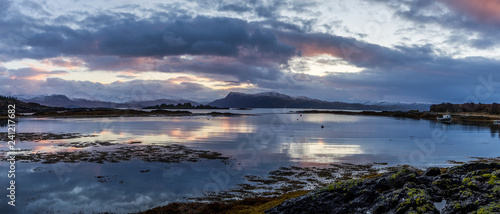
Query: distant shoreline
point(90, 113)
point(427, 115)
point(477, 117)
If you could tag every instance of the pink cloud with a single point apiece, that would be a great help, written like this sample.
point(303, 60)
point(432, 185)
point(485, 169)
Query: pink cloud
point(114, 63)
point(70, 63)
point(482, 10)
point(33, 73)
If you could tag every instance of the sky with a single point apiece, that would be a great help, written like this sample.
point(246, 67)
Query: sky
point(428, 51)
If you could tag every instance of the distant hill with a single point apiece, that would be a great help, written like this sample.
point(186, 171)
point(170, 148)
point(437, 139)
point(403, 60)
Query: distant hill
point(63, 101)
point(278, 100)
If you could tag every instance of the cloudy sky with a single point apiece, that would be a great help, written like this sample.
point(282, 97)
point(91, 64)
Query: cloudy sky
point(356, 51)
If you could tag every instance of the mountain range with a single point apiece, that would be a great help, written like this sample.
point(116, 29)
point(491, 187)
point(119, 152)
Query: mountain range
point(57, 100)
point(232, 100)
point(278, 100)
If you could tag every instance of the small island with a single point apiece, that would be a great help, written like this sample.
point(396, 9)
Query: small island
point(182, 106)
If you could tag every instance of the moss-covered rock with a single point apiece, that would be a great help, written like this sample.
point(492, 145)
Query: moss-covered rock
point(468, 188)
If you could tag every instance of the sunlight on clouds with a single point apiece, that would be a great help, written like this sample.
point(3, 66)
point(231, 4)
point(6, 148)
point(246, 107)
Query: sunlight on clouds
point(94, 76)
point(179, 78)
point(321, 65)
point(58, 63)
point(24, 63)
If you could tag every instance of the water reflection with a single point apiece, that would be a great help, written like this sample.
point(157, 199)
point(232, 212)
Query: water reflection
point(257, 144)
point(118, 187)
point(319, 152)
point(495, 130)
point(319, 138)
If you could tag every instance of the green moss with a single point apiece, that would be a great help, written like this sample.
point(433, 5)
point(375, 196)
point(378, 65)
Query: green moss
point(418, 201)
point(486, 175)
point(425, 208)
point(493, 179)
point(399, 173)
point(496, 190)
point(466, 194)
point(444, 183)
point(344, 186)
point(415, 192)
point(468, 182)
point(490, 208)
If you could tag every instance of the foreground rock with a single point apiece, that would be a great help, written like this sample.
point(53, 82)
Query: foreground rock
point(469, 188)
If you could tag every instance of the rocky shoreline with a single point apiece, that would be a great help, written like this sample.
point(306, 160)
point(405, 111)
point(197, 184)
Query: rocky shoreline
point(472, 187)
point(468, 188)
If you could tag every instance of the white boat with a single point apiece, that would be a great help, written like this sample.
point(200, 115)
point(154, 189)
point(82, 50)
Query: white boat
point(444, 119)
point(496, 122)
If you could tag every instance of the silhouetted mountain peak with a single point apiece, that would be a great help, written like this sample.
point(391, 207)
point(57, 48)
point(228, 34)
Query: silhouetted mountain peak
point(274, 99)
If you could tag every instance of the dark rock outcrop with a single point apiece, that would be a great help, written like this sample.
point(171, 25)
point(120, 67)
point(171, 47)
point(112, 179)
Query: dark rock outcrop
point(470, 188)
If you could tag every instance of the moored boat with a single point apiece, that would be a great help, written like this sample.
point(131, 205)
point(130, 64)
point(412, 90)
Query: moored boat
point(444, 119)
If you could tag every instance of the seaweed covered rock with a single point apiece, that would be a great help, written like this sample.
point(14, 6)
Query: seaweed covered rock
point(469, 188)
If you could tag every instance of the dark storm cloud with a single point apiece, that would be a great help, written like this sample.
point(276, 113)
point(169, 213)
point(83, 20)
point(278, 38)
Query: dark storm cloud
point(127, 36)
point(356, 52)
point(221, 67)
point(279, 25)
point(121, 41)
point(265, 9)
point(235, 8)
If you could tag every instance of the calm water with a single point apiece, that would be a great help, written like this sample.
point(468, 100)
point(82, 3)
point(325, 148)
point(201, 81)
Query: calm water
point(257, 145)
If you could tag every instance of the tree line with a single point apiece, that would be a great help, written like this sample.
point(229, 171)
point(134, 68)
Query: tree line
point(493, 108)
point(7, 97)
point(181, 106)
